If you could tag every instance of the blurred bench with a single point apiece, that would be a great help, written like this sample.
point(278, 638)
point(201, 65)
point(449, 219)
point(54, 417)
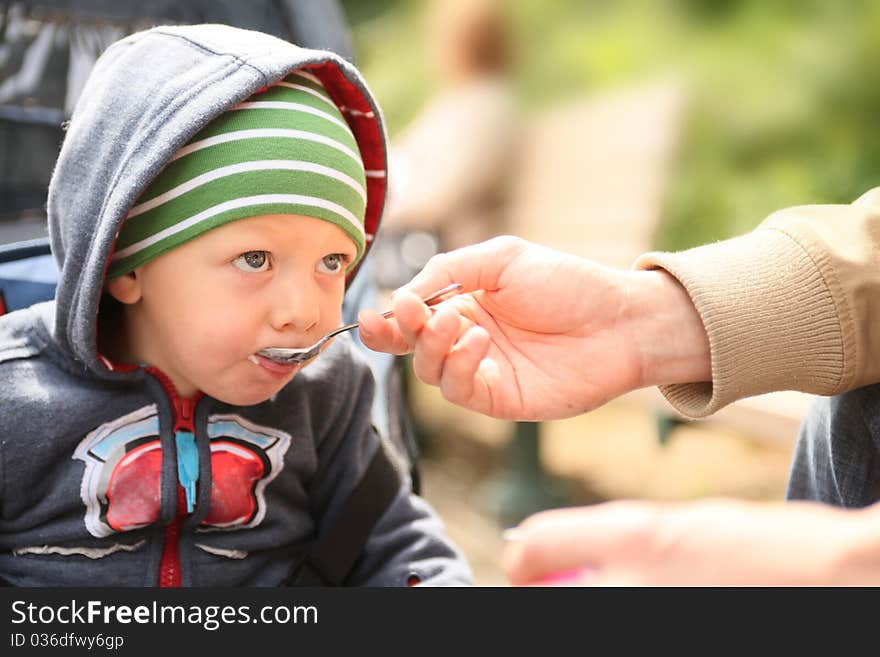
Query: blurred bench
point(592, 172)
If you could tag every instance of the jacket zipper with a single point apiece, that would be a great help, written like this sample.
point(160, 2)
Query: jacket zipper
point(183, 420)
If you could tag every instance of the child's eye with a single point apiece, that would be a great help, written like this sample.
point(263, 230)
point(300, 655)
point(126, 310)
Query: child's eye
point(252, 261)
point(333, 263)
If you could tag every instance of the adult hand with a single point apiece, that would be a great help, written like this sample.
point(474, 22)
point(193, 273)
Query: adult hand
point(542, 334)
point(714, 542)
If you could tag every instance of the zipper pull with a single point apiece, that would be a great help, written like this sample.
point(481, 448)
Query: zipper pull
point(187, 466)
point(183, 411)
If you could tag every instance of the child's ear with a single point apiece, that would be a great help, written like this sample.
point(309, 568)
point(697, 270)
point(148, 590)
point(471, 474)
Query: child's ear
point(125, 288)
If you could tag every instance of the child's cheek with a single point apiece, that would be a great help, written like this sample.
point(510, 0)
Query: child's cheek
point(226, 334)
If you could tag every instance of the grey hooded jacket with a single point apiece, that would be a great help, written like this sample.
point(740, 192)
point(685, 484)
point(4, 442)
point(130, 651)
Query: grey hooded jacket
point(89, 491)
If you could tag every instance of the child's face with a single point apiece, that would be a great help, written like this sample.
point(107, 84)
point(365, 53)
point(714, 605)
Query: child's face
point(204, 309)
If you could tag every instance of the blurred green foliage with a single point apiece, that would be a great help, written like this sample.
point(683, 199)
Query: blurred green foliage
point(784, 105)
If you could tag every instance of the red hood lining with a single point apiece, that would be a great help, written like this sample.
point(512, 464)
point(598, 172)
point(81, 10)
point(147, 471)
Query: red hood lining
point(371, 142)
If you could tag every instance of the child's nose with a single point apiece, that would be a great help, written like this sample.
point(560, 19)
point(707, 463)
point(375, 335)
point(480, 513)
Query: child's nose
point(295, 305)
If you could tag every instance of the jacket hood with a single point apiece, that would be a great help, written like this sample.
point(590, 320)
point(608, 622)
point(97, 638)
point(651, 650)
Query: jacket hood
point(149, 94)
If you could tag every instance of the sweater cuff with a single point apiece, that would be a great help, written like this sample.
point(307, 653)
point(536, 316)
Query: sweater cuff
point(769, 315)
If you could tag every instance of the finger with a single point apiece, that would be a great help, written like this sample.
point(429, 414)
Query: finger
point(568, 539)
point(461, 381)
point(869, 199)
point(380, 334)
point(459, 266)
point(435, 341)
point(410, 314)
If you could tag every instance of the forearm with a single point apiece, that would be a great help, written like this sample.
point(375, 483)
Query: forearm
point(786, 307)
point(670, 341)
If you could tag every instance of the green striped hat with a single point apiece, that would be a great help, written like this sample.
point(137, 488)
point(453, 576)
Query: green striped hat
point(285, 150)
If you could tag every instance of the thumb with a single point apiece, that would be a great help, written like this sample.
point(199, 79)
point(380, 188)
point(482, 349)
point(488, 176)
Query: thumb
point(476, 266)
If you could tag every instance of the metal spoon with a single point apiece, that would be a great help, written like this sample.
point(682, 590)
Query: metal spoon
point(281, 355)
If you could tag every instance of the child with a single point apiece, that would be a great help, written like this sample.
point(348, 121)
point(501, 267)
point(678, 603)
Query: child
point(216, 191)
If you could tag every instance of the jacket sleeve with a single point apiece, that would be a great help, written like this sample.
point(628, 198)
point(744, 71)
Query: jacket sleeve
point(792, 305)
point(409, 546)
point(408, 543)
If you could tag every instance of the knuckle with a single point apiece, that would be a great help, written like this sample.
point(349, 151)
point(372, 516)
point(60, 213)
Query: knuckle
point(424, 372)
point(508, 243)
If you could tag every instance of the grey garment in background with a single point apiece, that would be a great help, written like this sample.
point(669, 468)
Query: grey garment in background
point(48, 48)
point(837, 455)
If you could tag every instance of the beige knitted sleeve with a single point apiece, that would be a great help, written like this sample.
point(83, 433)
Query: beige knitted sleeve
point(793, 305)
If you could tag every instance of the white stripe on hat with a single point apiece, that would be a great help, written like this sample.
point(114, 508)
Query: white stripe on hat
point(308, 90)
point(243, 167)
point(262, 133)
point(305, 74)
point(292, 107)
point(264, 199)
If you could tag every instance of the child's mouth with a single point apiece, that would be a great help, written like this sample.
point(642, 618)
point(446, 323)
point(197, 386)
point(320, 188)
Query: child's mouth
point(279, 369)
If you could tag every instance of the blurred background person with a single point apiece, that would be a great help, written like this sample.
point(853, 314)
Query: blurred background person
point(450, 165)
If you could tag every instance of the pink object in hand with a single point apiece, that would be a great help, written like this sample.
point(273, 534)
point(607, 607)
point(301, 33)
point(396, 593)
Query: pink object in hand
point(574, 577)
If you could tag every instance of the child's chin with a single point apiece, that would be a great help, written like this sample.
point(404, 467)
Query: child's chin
point(245, 397)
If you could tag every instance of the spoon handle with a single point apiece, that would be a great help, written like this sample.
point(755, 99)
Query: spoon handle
point(434, 299)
